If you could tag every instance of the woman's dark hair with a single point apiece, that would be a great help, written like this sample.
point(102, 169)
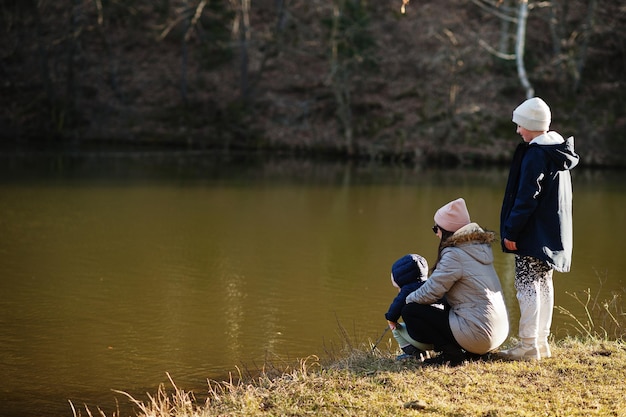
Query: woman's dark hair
point(443, 243)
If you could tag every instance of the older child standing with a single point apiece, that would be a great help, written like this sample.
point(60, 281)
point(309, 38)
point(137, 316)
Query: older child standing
point(536, 223)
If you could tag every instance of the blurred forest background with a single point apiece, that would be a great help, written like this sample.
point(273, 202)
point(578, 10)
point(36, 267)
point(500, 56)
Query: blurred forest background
point(341, 78)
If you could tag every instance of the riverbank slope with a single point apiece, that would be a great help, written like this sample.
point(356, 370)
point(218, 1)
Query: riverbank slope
point(583, 378)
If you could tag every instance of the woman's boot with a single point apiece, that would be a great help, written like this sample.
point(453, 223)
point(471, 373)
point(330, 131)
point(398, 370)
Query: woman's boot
point(451, 355)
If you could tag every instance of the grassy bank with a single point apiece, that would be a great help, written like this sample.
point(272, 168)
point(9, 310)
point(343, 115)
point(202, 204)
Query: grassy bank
point(583, 378)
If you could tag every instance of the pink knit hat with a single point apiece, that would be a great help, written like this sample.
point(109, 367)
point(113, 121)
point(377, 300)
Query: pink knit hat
point(453, 215)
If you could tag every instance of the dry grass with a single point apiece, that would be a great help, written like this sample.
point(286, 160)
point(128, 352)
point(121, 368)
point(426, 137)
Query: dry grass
point(583, 378)
point(604, 319)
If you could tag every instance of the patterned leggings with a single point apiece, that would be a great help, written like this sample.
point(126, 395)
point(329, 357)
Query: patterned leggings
point(535, 294)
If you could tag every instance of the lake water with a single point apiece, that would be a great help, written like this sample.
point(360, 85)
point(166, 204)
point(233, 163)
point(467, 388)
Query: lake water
point(117, 269)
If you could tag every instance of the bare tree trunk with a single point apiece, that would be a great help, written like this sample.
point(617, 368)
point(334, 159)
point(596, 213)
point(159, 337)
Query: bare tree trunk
point(113, 77)
point(184, 56)
point(520, 46)
point(504, 11)
point(67, 112)
point(44, 62)
point(586, 35)
point(557, 33)
point(281, 20)
point(505, 35)
point(340, 80)
point(242, 29)
point(572, 57)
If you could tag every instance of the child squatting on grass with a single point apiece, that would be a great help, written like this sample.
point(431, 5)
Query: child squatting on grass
point(407, 274)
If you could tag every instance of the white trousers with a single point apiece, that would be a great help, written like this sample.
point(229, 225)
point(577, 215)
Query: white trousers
point(535, 294)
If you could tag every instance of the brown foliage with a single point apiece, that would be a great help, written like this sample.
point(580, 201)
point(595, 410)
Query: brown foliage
point(427, 88)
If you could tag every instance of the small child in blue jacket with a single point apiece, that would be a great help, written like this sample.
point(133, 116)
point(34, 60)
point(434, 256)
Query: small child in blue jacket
point(407, 274)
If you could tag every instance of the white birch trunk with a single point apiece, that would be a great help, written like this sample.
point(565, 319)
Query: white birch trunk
point(520, 45)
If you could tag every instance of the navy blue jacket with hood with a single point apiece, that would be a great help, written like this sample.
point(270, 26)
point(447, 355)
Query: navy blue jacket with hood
point(408, 274)
point(537, 205)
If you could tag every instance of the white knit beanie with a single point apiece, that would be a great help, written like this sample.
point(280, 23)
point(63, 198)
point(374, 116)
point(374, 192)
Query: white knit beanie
point(453, 215)
point(533, 114)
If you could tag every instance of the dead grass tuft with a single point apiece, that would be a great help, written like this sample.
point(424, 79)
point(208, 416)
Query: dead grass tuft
point(601, 319)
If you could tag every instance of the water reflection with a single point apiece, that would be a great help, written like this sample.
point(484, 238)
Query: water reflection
point(117, 269)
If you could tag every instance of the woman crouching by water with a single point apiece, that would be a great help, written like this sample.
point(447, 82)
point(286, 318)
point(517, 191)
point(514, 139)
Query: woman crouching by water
point(476, 321)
